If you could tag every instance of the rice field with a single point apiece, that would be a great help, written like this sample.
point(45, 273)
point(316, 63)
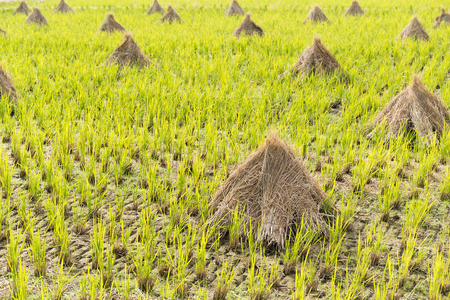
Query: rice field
point(107, 173)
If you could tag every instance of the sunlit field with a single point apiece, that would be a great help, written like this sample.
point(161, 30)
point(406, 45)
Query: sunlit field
point(108, 173)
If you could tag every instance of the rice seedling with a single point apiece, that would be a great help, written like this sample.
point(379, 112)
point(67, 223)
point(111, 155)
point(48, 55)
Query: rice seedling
point(260, 281)
point(224, 278)
point(143, 263)
point(98, 245)
point(300, 291)
point(200, 251)
point(297, 248)
point(38, 250)
point(234, 229)
point(19, 282)
point(62, 280)
point(14, 249)
point(124, 286)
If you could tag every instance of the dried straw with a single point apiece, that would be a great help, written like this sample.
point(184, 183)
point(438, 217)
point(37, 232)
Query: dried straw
point(128, 54)
point(248, 27)
point(110, 24)
point(156, 8)
point(414, 109)
point(354, 10)
point(36, 17)
point(315, 59)
point(443, 17)
point(414, 30)
point(171, 16)
point(275, 190)
point(316, 15)
point(234, 9)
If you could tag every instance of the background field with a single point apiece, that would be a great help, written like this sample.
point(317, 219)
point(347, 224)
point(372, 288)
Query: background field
point(141, 152)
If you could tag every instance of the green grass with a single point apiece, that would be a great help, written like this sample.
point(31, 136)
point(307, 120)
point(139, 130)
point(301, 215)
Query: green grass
point(106, 175)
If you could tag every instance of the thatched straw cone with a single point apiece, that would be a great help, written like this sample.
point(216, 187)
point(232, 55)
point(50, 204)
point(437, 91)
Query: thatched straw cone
point(22, 9)
point(414, 30)
point(316, 15)
point(443, 17)
point(248, 27)
point(63, 8)
point(110, 24)
point(128, 54)
point(354, 10)
point(156, 9)
point(36, 17)
point(315, 59)
point(414, 109)
point(234, 9)
point(7, 86)
point(275, 190)
point(171, 16)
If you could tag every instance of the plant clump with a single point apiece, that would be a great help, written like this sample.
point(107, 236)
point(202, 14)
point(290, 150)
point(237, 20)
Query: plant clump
point(443, 17)
point(414, 30)
point(354, 10)
point(248, 27)
point(36, 17)
point(415, 109)
point(234, 9)
point(128, 53)
point(64, 8)
point(110, 24)
point(171, 16)
point(275, 190)
point(22, 9)
point(156, 8)
point(315, 59)
point(316, 15)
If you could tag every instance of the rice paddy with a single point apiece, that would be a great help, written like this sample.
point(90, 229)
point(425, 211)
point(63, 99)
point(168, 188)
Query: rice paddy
point(108, 172)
